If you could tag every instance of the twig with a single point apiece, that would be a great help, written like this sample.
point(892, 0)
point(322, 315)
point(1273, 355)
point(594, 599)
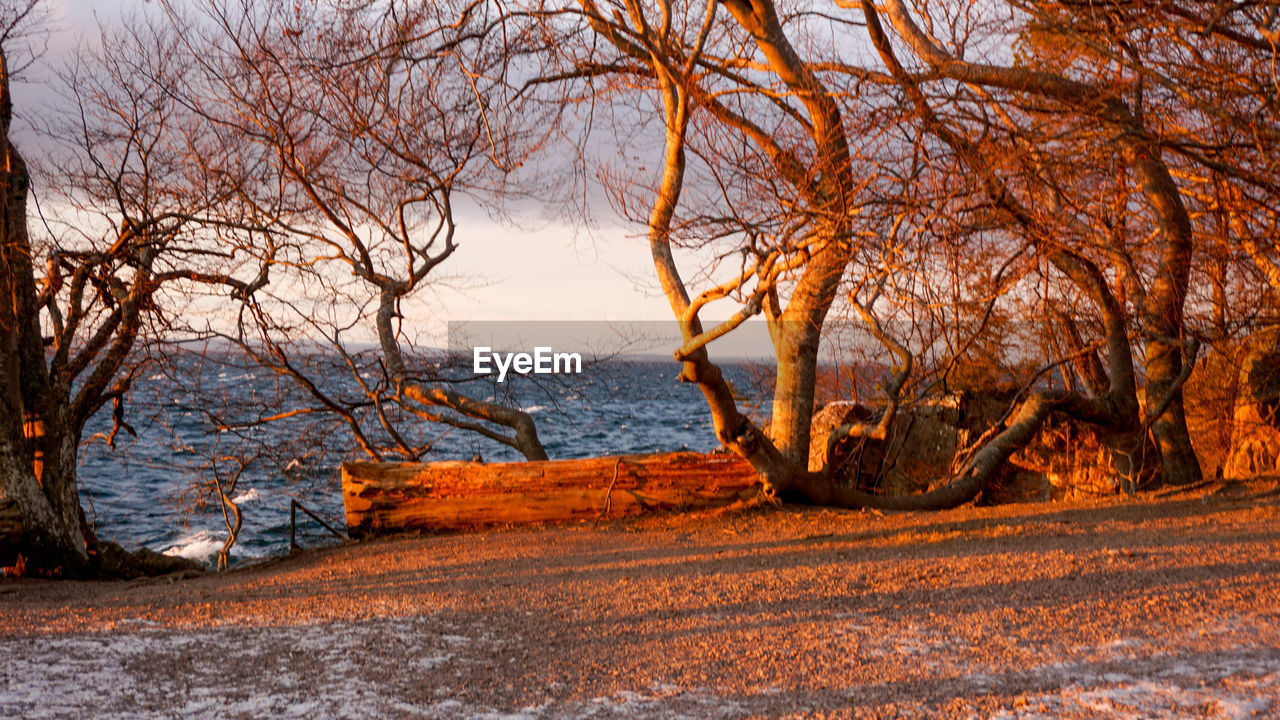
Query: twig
point(608, 495)
point(294, 506)
point(233, 527)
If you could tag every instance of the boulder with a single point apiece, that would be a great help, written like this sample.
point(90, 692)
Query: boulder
point(1016, 485)
point(1255, 426)
point(1067, 459)
point(919, 451)
point(923, 442)
point(112, 560)
point(1072, 459)
point(830, 417)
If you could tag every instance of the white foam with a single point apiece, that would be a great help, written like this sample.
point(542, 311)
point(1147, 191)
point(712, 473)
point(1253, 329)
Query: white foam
point(249, 495)
point(200, 546)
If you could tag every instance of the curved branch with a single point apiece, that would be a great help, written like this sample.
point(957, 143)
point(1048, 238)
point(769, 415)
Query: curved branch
point(880, 429)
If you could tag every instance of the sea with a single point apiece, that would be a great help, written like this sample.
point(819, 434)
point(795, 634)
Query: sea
point(151, 487)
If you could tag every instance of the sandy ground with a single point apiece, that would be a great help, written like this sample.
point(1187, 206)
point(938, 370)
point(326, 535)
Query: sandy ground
point(1165, 608)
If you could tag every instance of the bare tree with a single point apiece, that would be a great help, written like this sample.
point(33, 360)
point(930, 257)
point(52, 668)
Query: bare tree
point(82, 302)
point(31, 478)
point(1087, 92)
point(1071, 163)
point(361, 128)
point(713, 66)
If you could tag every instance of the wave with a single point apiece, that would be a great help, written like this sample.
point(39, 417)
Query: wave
point(201, 546)
point(247, 496)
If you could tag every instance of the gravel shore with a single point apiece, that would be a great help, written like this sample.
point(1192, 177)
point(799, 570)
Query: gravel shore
point(1144, 608)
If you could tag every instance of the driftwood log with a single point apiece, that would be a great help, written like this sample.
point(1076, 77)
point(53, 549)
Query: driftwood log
point(382, 498)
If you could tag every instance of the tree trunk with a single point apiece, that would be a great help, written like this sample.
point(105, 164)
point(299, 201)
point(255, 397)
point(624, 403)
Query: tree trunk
point(52, 539)
point(10, 530)
point(385, 498)
point(796, 352)
point(1163, 315)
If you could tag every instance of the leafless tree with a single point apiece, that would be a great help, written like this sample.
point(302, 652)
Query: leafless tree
point(747, 114)
point(81, 302)
point(364, 125)
point(1070, 150)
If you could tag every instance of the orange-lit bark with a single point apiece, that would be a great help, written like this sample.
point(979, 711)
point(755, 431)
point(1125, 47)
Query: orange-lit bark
point(1162, 310)
point(48, 505)
point(796, 326)
point(382, 498)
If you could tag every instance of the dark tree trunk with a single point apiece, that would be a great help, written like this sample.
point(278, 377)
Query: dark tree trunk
point(1163, 316)
point(48, 504)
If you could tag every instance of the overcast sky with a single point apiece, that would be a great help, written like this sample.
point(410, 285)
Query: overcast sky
point(552, 272)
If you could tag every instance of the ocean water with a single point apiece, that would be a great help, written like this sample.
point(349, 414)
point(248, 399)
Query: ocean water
point(151, 489)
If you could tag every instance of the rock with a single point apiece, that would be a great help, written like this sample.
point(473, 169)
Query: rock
point(1067, 459)
point(922, 443)
point(114, 561)
point(154, 563)
point(1072, 459)
point(1255, 426)
point(830, 417)
point(1017, 486)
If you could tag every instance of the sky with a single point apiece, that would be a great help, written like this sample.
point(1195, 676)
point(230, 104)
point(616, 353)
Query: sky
point(540, 271)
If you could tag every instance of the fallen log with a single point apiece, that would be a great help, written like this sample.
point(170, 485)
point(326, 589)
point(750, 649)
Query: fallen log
point(382, 498)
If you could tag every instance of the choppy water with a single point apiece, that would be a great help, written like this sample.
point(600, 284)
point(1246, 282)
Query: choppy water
point(140, 494)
